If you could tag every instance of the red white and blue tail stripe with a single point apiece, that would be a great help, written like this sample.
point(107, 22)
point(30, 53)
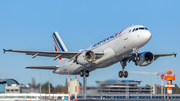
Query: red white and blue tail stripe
point(58, 43)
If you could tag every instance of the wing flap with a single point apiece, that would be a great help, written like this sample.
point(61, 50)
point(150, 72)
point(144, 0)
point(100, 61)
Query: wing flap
point(43, 67)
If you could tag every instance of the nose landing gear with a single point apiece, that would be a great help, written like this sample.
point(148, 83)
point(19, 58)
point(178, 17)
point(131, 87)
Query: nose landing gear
point(84, 72)
point(136, 51)
point(123, 63)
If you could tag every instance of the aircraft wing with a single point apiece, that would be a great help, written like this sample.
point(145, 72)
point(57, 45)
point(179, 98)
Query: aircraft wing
point(131, 56)
point(162, 55)
point(43, 67)
point(55, 54)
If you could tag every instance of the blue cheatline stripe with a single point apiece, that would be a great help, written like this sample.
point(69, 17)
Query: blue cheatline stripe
point(55, 42)
point(57, 46)
point(59, 42)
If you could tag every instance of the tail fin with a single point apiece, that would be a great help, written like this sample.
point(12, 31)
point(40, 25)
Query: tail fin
point(58, 43)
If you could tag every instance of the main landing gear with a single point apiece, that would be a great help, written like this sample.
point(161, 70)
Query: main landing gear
point(84, 72)
point(123, 63)
point(123, 73)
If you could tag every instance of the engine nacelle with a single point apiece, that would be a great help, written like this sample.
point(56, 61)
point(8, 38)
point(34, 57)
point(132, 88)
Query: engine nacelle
point(146, 58)
point(86, 57)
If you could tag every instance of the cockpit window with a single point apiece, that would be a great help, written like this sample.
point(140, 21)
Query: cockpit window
point(140, 28)
point(133, 30)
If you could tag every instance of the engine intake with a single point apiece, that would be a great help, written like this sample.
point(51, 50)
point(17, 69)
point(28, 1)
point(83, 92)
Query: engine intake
point(86, 57)
point(149, 57)
point(146, 58)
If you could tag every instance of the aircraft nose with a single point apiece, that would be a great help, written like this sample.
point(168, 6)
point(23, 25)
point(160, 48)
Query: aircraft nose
point(147, 35)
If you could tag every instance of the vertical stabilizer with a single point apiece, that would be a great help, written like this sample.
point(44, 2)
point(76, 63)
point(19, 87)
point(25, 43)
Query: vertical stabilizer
point(58, 44)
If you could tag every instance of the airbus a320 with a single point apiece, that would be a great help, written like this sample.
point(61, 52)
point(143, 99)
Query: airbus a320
point(120, 47)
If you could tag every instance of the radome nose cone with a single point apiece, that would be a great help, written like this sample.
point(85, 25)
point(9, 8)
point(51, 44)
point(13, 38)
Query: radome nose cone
point(148, 35)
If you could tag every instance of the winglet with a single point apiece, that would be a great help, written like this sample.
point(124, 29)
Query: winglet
point(175, 54)
point(4, 51)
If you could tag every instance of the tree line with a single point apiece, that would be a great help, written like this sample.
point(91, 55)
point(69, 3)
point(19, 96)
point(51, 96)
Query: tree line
point(58, 89)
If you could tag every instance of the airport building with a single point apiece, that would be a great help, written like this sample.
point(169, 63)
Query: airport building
point(9, 86)
point(12, 86)
point(121, 87)
point(105, 87)
point(109, 90)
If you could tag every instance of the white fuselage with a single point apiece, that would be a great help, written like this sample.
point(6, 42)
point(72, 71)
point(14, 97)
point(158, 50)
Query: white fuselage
point(115, 48)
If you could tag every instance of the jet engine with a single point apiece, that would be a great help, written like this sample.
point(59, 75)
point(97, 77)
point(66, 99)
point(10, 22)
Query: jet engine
point(86, 57)
point(145, 59)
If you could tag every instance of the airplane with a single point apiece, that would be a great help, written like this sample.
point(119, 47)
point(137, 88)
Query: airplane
point(120, 47)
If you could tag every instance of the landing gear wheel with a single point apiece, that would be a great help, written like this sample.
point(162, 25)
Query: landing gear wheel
point(125, 74)
point(120, 74)
point(136, 58)
point(136, 51)
point(86, 73)
point(81, 73)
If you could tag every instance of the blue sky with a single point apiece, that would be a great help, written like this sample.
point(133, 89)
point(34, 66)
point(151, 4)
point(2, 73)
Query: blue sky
point(28, 25)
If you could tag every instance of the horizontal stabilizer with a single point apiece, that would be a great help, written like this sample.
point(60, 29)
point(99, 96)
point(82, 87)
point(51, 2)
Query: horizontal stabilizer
point(43, 67)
